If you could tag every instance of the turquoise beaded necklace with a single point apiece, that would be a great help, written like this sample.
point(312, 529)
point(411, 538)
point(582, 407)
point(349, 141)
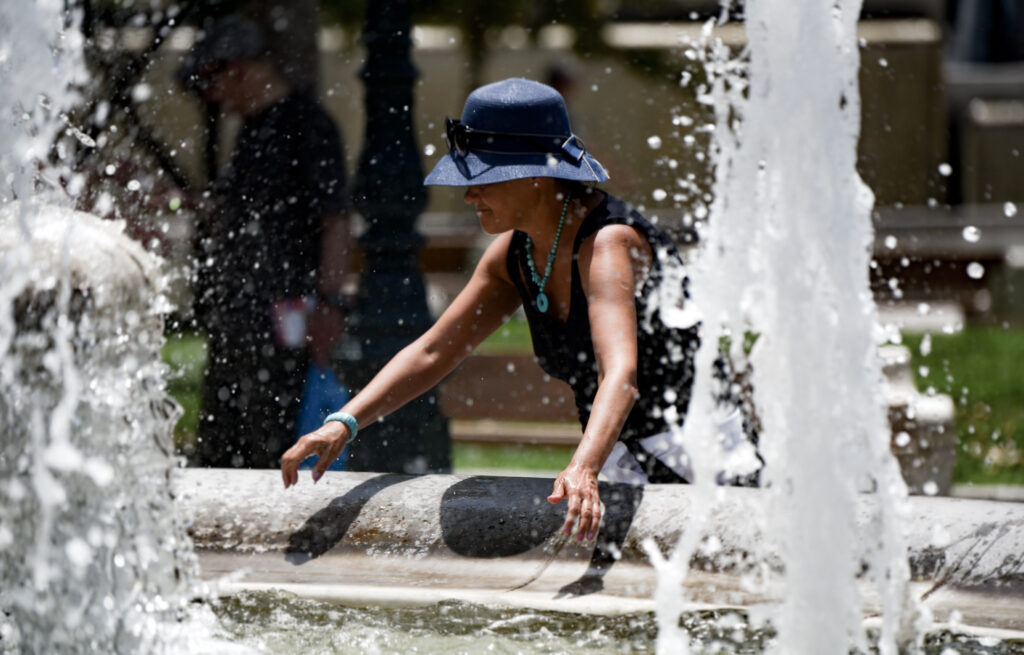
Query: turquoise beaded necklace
point(542, 298)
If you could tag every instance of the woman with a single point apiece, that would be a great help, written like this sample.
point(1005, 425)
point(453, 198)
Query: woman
point(599, 286)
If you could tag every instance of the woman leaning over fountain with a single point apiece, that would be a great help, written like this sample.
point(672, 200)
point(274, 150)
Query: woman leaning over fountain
point(603, 292)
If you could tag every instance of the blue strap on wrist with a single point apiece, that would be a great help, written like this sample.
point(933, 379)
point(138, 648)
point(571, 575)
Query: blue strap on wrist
point(349, 420)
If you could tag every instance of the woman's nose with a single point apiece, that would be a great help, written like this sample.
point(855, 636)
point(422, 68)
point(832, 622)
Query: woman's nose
point(471, 195)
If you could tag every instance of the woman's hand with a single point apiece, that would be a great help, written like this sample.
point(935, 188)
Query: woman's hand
point(326, 442)
point(579, 485)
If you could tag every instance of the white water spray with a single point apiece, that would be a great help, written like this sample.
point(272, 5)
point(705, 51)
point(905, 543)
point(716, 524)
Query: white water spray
point(93, 557)
point(785, 255)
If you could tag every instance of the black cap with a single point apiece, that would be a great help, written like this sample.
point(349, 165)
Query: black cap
point(230, 38)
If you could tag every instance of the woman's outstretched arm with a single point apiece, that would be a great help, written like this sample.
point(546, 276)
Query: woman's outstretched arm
point(612, 265)
point(487, 301)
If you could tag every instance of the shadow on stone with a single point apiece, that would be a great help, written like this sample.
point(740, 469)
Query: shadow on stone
point(485, 517)
point(492, 517)
point(325, 529)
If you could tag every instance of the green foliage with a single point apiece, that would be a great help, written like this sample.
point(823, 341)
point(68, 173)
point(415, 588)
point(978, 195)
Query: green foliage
point(749, 339)
point(980, 369)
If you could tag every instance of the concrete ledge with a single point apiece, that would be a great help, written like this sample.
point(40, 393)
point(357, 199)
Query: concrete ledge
point(496, 540)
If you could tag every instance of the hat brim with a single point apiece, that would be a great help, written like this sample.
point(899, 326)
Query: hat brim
point(488, 168)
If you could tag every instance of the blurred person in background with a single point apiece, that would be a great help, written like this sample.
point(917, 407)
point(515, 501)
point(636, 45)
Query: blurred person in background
point(271, 248)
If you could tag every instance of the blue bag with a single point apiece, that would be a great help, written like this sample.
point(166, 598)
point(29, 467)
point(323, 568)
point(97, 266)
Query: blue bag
point(323, 394)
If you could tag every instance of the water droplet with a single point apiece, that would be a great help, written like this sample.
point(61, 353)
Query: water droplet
point(659, 194)
point(429, 149)
point(945, 170)
point(975, 271)
point(79, 553)
point(654, 142)
point(971, 234)
point(926, 345)
point(82, 137)
point(1009, 210)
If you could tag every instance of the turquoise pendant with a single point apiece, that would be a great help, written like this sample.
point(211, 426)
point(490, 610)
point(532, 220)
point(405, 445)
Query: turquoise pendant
point(542, 302)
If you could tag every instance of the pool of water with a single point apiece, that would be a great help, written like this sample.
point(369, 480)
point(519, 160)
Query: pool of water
point(275, 622)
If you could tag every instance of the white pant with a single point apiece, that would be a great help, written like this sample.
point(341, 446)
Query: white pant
point(740, 457)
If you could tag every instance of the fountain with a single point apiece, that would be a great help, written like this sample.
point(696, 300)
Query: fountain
point(92, 544)
point(93, 552)
point(786, 256)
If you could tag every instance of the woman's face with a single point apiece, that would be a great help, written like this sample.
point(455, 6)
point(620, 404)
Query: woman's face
point(503, 206)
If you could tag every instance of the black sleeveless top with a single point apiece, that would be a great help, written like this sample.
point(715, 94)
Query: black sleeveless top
point(665, 352)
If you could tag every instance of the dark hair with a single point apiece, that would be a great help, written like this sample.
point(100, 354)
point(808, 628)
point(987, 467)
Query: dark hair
point(578, 188)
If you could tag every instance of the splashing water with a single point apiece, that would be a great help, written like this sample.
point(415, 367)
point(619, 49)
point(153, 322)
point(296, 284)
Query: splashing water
point(786, 254)
point(93, 557)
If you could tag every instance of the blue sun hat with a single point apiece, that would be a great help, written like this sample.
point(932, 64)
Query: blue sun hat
point(510, 130)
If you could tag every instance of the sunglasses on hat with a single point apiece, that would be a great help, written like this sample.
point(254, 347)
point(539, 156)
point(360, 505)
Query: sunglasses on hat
point(462, 138)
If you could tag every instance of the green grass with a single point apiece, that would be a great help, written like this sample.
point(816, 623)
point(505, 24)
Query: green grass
point(510, 456)
point(981, 369)
point(513, 337)
point(186, 355)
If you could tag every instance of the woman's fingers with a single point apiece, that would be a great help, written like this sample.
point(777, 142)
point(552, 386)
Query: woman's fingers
point(590, 518)
point(557, 492)
point(326, 443)
point(573, 513)
point(292, 458)
point(583, 514)
point(329, 453)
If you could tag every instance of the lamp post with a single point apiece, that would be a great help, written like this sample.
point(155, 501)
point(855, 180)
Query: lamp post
point(391, 305)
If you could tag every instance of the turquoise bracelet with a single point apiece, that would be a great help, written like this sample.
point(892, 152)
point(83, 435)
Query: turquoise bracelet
point(347, 419)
